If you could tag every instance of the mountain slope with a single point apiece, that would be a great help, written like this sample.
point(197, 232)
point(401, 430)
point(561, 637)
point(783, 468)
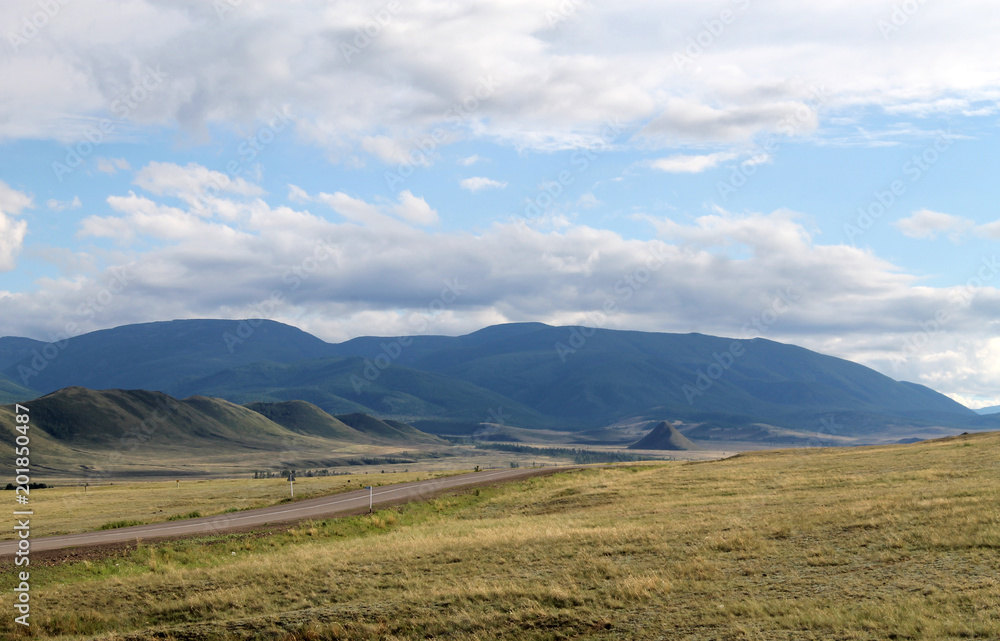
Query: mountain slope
point(340, 386)
point(305, 418)
point(520, 375)
point(155, 356)
point(395, 431)
point(11, 392)
point(599, 376)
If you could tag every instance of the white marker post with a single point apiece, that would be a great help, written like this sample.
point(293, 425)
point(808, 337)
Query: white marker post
point(371, 496)
point(291, 483)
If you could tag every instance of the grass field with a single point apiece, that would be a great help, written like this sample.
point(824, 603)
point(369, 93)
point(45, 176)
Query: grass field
point(73, 508)
point(895, 542)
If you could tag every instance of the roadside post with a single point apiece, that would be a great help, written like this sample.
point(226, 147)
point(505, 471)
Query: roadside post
point(291, 482)
point(371, 496)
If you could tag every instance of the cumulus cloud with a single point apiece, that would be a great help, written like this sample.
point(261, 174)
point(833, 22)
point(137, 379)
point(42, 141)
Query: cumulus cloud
point(689, 164)
point(415, 210)
point(13, 201)
point(112, 165)
point(478, 183)
point(12, 231)
point(931, 224)
point(496, 71)
point(60, 205)
point(12, 234)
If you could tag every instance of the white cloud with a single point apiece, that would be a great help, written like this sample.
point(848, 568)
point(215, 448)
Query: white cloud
point(298, 195)
point(468, 161)
point(12, 231)
point(478, 182)
point(112, 165)
point(394, 152)
point(415, 210)
point(515, 80)
point(12, 234)
point(191, 183)
point(59, 205)
point(588, 201)
point(684, 164)
point(931, 224)
point(989, 230)
point(13, 201)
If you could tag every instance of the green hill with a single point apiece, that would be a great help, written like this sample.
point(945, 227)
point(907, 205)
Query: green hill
point(83, 432)
point(389, 429)
point(11, 392)
point(305, 418)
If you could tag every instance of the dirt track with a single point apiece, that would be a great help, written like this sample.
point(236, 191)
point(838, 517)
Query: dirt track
point(324, 507)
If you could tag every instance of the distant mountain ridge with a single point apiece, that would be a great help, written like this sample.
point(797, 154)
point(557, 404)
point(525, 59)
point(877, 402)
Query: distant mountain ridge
point(521, 375)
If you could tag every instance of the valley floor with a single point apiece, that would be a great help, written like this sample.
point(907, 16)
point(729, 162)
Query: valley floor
point(858, 543)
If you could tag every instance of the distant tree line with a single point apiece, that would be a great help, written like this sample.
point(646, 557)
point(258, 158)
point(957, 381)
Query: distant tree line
point(579, 456)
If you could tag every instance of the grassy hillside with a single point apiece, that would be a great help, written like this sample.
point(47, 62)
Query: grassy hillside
point(77, 431)
point(893, 542)
point(333, 385)
point(306, 418)
point(11, 392)
point(389, 429)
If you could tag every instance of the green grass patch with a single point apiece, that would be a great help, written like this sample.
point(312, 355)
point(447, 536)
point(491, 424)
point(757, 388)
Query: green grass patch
point(180, 517)
point(114, 525)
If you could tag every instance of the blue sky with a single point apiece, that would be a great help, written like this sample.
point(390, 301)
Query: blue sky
point(335, 165)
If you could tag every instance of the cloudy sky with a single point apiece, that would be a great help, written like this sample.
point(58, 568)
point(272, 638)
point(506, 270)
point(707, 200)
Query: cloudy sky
point(815, 173)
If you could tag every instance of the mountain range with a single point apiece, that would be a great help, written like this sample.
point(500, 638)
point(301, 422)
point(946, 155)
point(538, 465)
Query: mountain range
point(523, 375)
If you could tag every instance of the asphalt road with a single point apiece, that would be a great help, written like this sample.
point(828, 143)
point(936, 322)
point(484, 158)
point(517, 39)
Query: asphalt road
point(337, 504)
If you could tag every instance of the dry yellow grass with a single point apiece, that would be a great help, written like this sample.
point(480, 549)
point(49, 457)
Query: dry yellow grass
point(873, 543)
point(69, 509)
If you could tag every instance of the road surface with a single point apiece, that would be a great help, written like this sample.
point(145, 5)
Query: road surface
point(323, 507)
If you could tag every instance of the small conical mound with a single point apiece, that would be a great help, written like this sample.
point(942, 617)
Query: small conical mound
point(663, 437)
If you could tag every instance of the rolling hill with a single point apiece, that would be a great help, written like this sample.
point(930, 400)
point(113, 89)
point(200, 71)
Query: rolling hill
point(80, 430)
